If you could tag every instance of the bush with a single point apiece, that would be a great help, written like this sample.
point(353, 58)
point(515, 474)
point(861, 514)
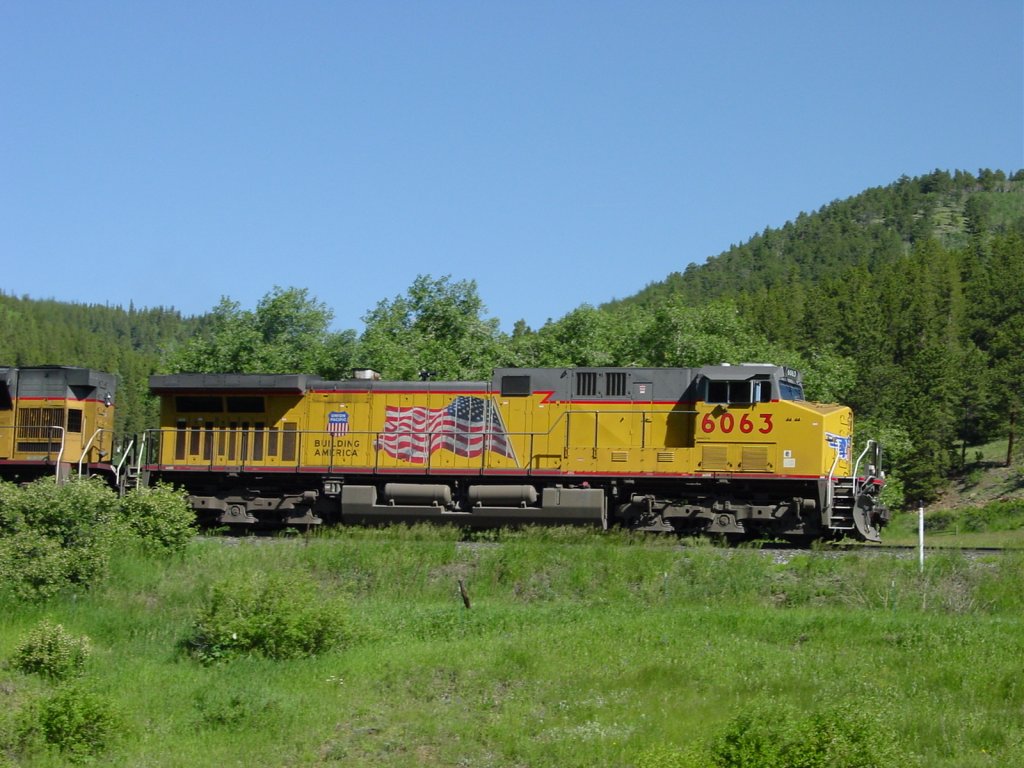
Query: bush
point(1005, 515)
point(160, 518)
point(55, 535)
point(771, 734)
point(66, 513)
point(32, 566)
point(50, 651)
point(275, 616)
point(842, 736)
point(78, 722)
point(940, 520)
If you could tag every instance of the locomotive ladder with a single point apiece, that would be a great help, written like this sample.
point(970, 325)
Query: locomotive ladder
point(840, 511)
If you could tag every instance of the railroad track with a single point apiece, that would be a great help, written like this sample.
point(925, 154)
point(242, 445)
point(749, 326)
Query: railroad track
point(781, 550)
point(908, 551)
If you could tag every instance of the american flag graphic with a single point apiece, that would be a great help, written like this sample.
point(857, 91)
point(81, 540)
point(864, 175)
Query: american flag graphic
point(468, 426)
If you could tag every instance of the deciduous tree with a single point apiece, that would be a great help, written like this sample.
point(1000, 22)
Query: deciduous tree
point(289, 332)
point(437, 329)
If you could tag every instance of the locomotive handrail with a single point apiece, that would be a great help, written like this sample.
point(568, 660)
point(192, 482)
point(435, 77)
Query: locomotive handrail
point(60, 453)
point(244, 459)
point(88, 446)
point(643, 414)
point(830, 489)
point(140, 456)
point(124, 457)
point(856, 466)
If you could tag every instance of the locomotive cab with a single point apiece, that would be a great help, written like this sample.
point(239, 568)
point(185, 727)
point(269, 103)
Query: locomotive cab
point(54, 419)
point(761, 409)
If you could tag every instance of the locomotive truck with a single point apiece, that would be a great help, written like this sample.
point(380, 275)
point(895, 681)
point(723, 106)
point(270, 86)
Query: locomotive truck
point(725, 450)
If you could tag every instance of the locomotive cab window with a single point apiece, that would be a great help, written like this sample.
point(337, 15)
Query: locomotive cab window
point(245, 404)
point(762, 391)
point(198, 404)
point(74, 420)
point(739, 392)
point(790, 391)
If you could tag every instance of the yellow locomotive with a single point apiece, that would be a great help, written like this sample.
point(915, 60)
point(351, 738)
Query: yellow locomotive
point(731, 450)
point(55, 420)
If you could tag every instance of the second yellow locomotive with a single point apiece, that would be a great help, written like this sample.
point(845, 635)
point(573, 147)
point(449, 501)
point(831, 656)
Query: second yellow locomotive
point(729, 450)
point(55, 420)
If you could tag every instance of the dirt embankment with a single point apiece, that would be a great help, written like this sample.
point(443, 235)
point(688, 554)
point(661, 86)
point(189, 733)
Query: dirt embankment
point(982, 483)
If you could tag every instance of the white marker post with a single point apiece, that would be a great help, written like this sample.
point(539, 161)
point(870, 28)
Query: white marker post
point(920, 534)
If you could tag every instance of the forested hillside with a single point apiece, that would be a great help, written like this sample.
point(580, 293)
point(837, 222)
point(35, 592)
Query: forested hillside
point(867, 231)
point(129, 342)
point(904, 301)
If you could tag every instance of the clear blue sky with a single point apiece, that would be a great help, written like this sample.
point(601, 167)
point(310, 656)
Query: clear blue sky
point(558, 153)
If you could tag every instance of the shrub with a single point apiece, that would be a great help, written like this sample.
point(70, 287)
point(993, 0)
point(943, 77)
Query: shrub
point(940, 520)
point(54, 536)
point(160, 518)
point(50, 651)
point(32, 566)
point(1003, 515)
point(771, 734)
point(276, 616)
point(843, 736)
point(65, 512)
point(80, 723)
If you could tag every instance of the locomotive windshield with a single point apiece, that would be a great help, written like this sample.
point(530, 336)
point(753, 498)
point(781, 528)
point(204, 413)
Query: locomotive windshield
point(790, 391)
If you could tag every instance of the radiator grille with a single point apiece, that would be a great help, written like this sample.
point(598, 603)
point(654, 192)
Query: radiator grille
point(714, 457)
point(586, 383)
point(616, 384)
point(36, 423)
point(755, 459)
point(36, 429)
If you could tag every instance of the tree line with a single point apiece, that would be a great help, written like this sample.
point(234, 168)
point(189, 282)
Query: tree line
point(903, 302)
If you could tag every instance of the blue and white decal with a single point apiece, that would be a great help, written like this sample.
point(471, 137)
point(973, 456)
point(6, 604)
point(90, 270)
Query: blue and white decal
point(840, 444)
point(337, 423)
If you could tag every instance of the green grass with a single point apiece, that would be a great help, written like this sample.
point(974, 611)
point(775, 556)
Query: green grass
point(580, 649)
point(904, 532)
point(998, 523)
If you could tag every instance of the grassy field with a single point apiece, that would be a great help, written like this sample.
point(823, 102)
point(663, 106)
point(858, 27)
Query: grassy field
point(579, 649)
point(905, 533)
